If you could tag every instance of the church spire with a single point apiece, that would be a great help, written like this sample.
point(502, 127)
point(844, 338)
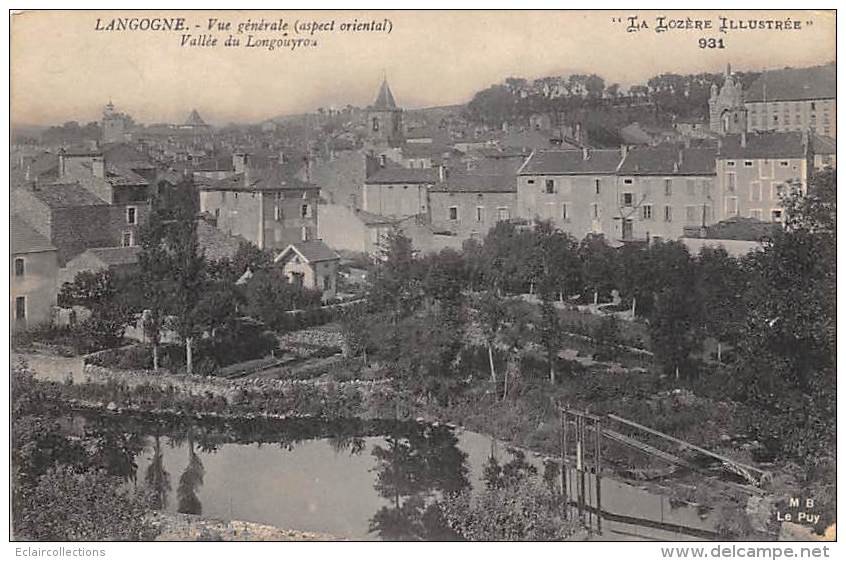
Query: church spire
point(385, 99)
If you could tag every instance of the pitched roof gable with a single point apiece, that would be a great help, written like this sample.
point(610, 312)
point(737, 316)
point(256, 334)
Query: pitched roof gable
point(312, 251)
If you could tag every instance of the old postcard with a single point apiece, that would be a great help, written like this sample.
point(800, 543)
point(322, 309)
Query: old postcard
point(423, 275)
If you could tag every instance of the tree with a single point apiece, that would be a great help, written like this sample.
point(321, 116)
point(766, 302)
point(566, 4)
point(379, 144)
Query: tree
point(109, 303)
point(491, 315)
point(189, 481)
point(395, 279)
point(671, 328)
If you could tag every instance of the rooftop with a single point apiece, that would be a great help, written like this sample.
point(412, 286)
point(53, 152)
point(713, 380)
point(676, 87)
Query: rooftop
point(267, 180)
point(394, 175)
point(669, 160)
point(767, 145)
point(116, 256)
point(23, 238)
point(795, 84)
point(571, 162)
point(64, 195)
point(477, 183)
point(738, 228)
point(385, 99)
point(312, 251)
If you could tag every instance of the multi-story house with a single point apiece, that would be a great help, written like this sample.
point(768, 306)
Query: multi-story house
point(755, 169)
point(794, 99)
point(72, 218)
point(34, 275)
point(269, 207)
point(575, 189)
point(467, 205)
point(398, 192)
point(660, 190)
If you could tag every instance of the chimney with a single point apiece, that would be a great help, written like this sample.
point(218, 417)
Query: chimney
point(98, 167)
point(383, 160)
point(681, 157)
point(743, 139)
point(585, 153)
point(62, 162)
point(442, 173)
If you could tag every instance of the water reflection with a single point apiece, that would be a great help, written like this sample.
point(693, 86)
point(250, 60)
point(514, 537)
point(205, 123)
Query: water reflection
point(157, 478)
point(412, 471)
point(190, 480)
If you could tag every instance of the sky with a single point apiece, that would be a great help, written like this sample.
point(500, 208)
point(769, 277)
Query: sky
point(63, 69)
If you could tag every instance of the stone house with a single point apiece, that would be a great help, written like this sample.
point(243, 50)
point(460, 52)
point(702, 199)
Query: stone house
point(399, 192)
point(467, 205)
point(755, 169)
point(34, 270)
point(311, 264)
point(347, 228)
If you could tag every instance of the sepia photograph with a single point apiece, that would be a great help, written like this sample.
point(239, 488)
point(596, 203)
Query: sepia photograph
point(478, 275)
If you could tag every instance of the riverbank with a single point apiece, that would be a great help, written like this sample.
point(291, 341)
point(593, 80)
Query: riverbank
point(172, 527)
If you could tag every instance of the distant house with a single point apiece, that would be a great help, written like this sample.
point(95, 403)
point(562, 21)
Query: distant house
point(122, 260)
point(34, 279)
point(737, 235)
point(825, 152)
point(469, 204)
point(398, 192)
point(351, 229)
point(311, 264)
point(269, 206)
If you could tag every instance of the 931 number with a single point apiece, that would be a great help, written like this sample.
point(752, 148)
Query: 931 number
point(705, 43)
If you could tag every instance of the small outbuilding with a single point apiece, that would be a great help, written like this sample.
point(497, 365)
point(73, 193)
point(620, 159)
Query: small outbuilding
point(311, 264)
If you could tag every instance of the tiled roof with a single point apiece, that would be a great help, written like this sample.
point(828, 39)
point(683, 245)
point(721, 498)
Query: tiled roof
point(116, 256)
point(126, 156)
point(669, 161)
point(571, 162)
point(219, 163)
point(312, 251)
point(24, 239)
point(64, 195)
point(767, 145)
point(795, 84)
point(216, 244)
point(270, 179)
point(824, 145)
point(477, 183)
point(122, 175)
point(740, 228)
point(395, 175)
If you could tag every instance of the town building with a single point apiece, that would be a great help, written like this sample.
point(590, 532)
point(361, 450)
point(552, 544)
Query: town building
point(575, 189)
point(396, 192)
point(727, 113)
point(115, 125)
point(794, 99)
point(71, 217)
point(34, 275)
point(755, 169)
point(311, 264)
point(469, 204)
point(270, 206)
point(120, 260)
point(660, 190)
point(346, 228)
point(737, 236)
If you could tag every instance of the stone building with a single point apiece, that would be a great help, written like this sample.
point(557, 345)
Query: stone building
point(34, 270)
point(398, 192)
point(269, 207)
point(384, 118)
point(755, 169)
point(311, 264)
point(727, 112)
point(468, 204)
point(347, 228)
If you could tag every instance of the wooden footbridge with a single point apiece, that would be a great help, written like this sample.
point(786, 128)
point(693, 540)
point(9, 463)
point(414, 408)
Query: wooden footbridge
point(582, 436)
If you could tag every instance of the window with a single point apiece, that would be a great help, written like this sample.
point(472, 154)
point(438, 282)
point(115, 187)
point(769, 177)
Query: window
point(668, 187)
point(20, 307)
point(128, 239)
point(776, 215)
point(646, 212)
point(19, 267)
point(550, 186)
point(731, 182)
point(813, 106)
point(668, 213)
point(375, 124)
point(784, 163)
point(594, 210)
point(131, 216)
point(778, 190)
point(502, 213)
point(596, 185)
point(706, 188)
point(754, 190)
point(453, 213)
point(690, 214)
point(730, 163)
point(628, 181)
point(755, 213)
point(628, 199)
point(748, 163)
point(564, 215)
point(731, 206)
point(305, 211)
point(304, 234)
point(327, 283)
point(480, 214)
point(530, 181)
point(691, 187)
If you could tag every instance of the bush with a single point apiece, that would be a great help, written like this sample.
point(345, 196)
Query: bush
point(91, 506)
